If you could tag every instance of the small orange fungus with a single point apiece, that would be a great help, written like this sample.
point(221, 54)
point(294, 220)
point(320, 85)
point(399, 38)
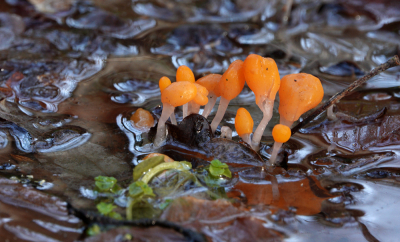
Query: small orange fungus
point(142, 120)
point(201, 96)
point(179, 93)
point(243, 122)
point(211, 83)
point(176, 94)
point(230, 85)
point(262, 76)
point(163, 83)
point(298, 94)
point(281, 133)
point(184, 73)
point(232, 81)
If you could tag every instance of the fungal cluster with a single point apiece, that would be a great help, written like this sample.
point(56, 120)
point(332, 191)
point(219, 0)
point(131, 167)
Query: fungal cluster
point(298, 93)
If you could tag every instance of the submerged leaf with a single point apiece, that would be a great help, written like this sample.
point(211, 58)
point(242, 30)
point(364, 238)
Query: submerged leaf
point(141, 208)
point(182, 166)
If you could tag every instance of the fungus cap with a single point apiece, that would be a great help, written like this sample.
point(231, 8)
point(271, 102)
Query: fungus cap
point(163, 83)
point(232, 81)
point(298, 94)
point(262, 76)
point(142, 119)
point(281, 133)
point(201, 96)
point(179, 93)
point(243, 122)
point(184, 73)
point(211, 83)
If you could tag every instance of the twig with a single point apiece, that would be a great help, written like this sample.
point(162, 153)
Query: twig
point(392, 62)
point(89, 217)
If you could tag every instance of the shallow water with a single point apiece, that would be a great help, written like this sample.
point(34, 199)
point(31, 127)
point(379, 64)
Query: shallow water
point(72, 74)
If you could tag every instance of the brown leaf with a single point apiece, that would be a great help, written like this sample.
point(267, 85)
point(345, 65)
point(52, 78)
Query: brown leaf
point(220, 220)
point(28, 214)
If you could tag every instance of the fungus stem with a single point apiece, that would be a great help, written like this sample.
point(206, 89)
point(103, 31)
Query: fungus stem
point(168, 109)
point(246, 138)
point(275, 149)
point(185, 110)
point(226, 132)
point(223, 105)
point(212, 99)
point(286, 122)
point(194, 107)
point(173, 119)
point(267, 107)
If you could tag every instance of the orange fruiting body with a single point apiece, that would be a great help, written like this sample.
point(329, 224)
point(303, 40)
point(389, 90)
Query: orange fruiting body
point(179, 93)
point(281, 133)
point(163, 83)
point(243, 122)
point(211, 83)
point(142, 119)
point(184, 73)
point(201, 96)
point(262, 76)
point(299, 93)
point(232, 81)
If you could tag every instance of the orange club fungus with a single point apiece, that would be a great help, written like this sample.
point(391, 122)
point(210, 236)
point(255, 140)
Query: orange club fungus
point(263, 79)
point(298, 93)
point(230, 85)
point(163, 83)
point(244, 125)
point(176, 94)
point(142, 120)
point(184, 73)
point(200, 99)
point(211, 83)
point(281, 133)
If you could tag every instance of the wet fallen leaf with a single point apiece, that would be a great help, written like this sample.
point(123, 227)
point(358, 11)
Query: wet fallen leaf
point(138, 234)
point(31, 215)
point(219, 220)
